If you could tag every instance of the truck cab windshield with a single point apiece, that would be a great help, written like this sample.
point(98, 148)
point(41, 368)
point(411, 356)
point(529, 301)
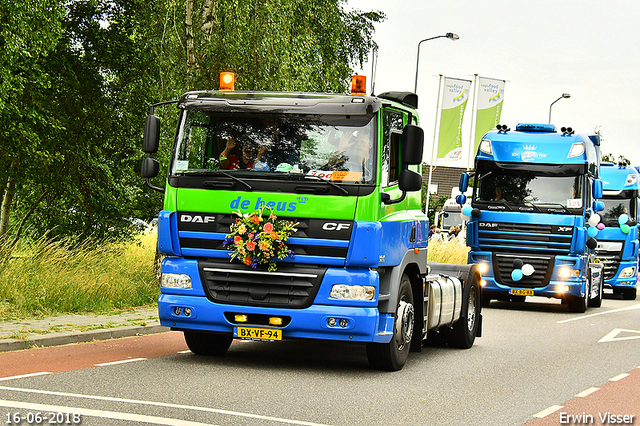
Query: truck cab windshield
point(275, 146)
point(556, 190)
point(615, 206)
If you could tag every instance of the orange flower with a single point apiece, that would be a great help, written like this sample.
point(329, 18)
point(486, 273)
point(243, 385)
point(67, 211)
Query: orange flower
point(274, 235)
point(268, 227)
point(247, 260)
point(263, 245)
point(237, 240)
point(251, 245)
point(255, 219)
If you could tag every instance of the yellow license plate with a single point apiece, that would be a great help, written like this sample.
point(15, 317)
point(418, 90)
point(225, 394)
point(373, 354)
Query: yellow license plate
point(252, 333)
point(520, 292)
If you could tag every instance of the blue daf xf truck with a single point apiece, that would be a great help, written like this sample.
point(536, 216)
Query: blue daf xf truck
point(534, 190)
point(618, 229)
point(298, 216)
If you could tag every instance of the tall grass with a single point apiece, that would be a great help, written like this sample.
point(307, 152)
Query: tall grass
point(454, 251)
point(46, 277)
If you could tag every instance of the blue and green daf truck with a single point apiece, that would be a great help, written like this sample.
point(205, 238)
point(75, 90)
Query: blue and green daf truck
point(298, 216)
point(618, 228)
point(534, 192)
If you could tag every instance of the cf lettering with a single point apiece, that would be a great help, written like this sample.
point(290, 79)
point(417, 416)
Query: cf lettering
point(330, 226)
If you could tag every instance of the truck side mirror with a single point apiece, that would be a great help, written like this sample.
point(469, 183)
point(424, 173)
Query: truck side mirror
point(412, 145)
point(461, 199)
point(598, 206)
point(464, 182)
point(151, 139)
point(597, 189)
point(409, 181)
point(150, 168)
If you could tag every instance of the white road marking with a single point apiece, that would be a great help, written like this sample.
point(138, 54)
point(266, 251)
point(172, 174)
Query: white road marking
point(587, 392)
point(124, 361)
point(618, 377)
point(22, 376)
point(628, 308)
point(545, 413)
point(99, 413)
point(611, 337)
point(164, 404)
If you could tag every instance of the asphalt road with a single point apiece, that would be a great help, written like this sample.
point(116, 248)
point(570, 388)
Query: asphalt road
point(533, 358)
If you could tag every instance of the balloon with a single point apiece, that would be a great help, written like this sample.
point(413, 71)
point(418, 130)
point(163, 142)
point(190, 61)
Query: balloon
point(592, 243)
point(625, 228)
point(600, 226)
point(475, 212)
point(594, 219)
point(592, 231)
point(464, 218)
point(467, 210)
point(527, 269)
point(517, 264)
point(516, 274)
point(623, 219)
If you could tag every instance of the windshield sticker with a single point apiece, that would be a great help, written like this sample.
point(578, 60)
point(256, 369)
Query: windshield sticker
point(574, 203)
point(182, 165)
point(336, 175)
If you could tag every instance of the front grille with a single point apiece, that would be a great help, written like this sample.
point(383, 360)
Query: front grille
point(288, 287)
point(543, 267)
point(510, 237)
point(611, 262)
point(202, 235)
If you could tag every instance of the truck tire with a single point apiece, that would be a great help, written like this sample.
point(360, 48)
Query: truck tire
point(207, 343)
point(463, 333)
point(393, 355)
point(629, 293)
point(578, 304)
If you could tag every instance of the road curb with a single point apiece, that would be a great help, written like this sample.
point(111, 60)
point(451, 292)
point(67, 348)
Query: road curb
point(66, 338)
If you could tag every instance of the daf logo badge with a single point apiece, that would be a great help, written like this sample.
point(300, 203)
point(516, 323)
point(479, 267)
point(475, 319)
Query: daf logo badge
point(196, 218)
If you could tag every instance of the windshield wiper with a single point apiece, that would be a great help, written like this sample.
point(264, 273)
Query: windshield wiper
point(331, 184)
point(225, 174)
point(564, 209)
point(501, 202)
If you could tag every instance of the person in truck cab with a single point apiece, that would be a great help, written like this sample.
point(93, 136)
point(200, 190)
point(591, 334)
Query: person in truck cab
point(250, 155)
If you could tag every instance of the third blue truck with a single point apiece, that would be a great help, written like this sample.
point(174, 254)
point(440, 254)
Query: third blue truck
point(618, 237)
point(534, 190)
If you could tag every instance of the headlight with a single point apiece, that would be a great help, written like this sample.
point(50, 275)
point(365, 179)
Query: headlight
point(576, 150)
point(175, 280)
point(483, 267)
point(628, 272)
point(568, 272)
point(631, 179)
point(353, 292)
point(485, 146)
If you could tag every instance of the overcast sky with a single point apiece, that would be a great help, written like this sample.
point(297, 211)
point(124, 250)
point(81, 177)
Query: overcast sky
point(542, 48)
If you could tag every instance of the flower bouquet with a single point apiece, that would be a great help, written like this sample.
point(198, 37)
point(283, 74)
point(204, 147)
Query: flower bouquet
point(257, 239)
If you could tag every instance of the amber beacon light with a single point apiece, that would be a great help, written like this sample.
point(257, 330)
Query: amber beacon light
point(226, 81)
point(359, 85)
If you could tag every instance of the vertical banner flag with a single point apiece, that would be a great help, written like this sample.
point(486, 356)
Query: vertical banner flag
point(455, 95)
point(488, 107)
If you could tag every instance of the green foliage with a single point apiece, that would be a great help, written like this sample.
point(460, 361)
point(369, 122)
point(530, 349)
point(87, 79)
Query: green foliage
point(49, 277)
point(77, 78)
point(435, 203)
point(610, 158)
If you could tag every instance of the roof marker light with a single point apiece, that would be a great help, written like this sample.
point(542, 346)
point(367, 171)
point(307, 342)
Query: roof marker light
point(226, 81)
point(359, 85)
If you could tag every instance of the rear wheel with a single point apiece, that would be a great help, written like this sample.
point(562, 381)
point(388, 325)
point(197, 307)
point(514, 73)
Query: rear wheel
point(207, 343)
point(463, 333)
point(393, 355)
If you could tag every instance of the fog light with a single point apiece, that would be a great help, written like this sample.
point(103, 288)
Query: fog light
point(483, 267)
point(483, 283)
point(562, 288)
point(343, 323)
point(175, 280)
point(241, 318)
point(187, 312)
point(177, 311)
point(275, 321)
point(628, 272)
point(331, 322)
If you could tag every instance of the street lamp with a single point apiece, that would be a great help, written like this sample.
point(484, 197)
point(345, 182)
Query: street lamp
point(450, 36)
point(564, 95)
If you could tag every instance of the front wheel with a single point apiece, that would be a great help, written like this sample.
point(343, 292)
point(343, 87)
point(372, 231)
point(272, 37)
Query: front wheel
point(207, 343)
point(393, 355)
point(463, 333)
point(578, 304)
point(596, 302)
